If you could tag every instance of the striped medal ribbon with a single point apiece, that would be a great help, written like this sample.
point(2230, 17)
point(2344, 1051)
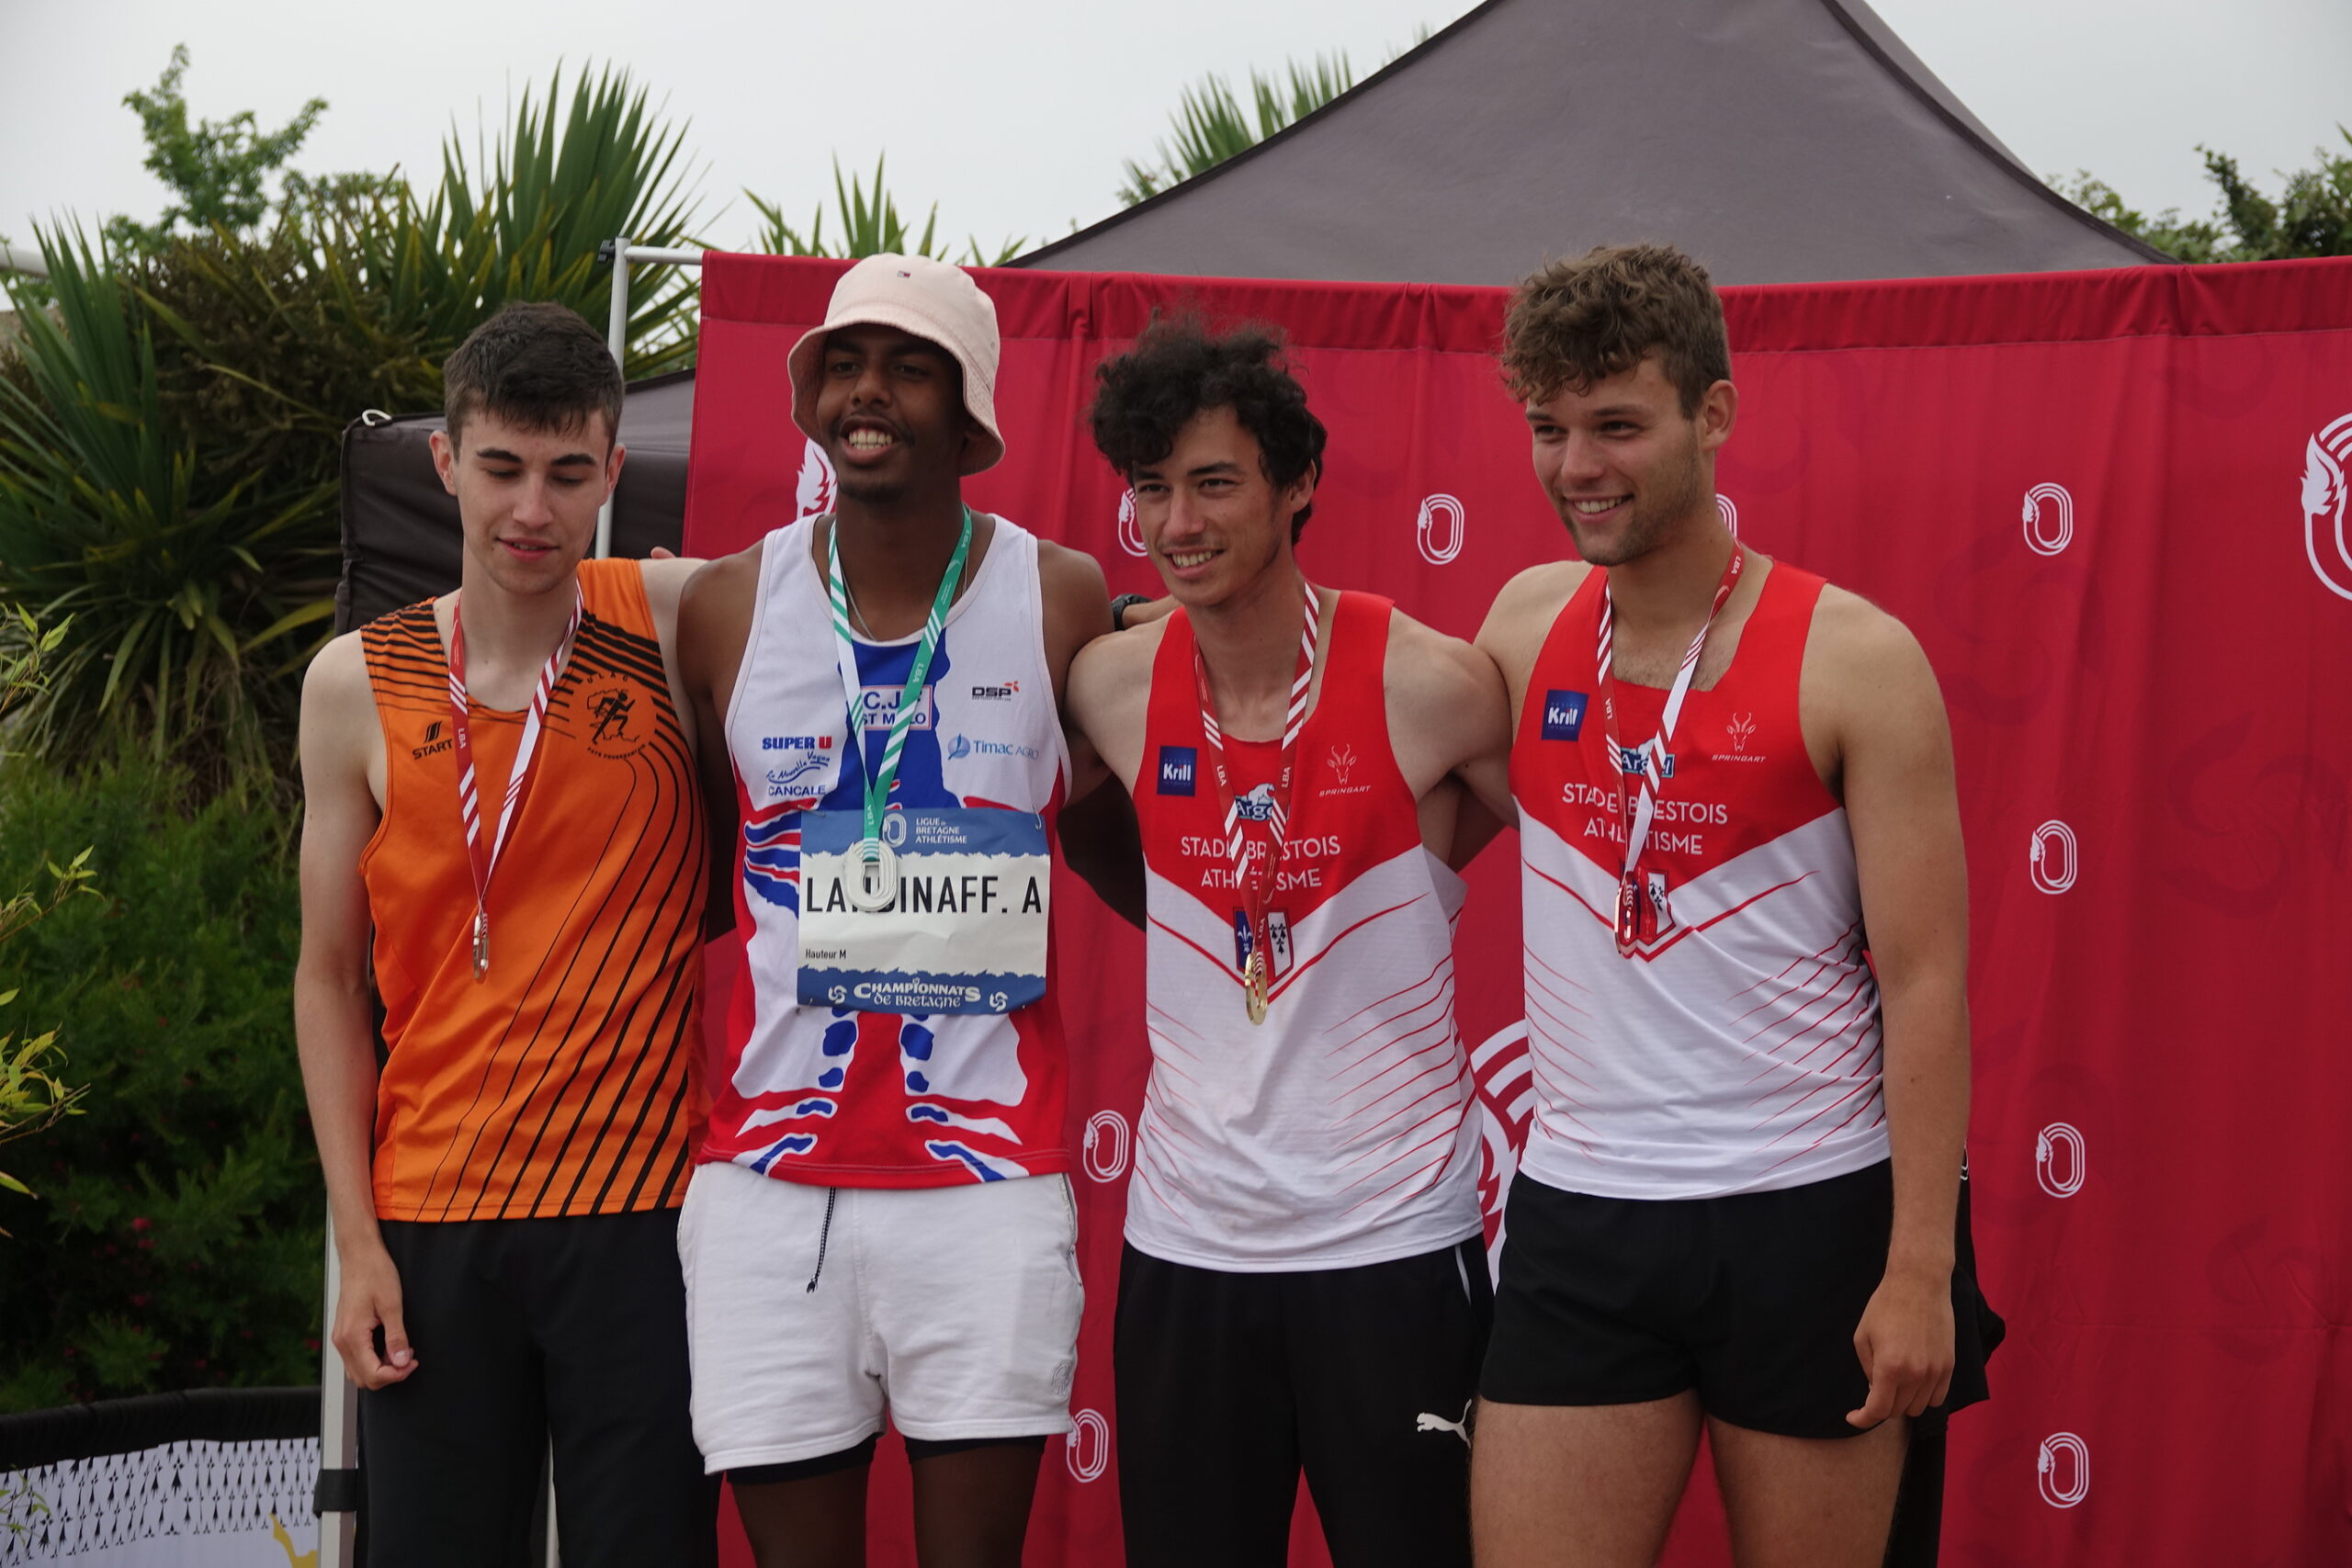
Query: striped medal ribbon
point(1641, 813)
point(871, 885)
point(483, 859)
point(1256, 892)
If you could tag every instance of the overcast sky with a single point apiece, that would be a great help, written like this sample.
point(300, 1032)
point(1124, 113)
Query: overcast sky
point(1014, 116)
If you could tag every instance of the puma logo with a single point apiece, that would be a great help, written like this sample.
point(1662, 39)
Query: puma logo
point(1425, 1422)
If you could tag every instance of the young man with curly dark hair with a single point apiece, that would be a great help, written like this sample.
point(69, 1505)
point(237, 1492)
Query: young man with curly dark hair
point(1304, 1284)
point(1745, 931)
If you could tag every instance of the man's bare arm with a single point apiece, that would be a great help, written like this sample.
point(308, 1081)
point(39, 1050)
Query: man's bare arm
point(1893, 746)
point(1511, 636)
point(1098, 833)
point(665, 578)
point(333, 1020)
point(1109, 690)
point(714, 621)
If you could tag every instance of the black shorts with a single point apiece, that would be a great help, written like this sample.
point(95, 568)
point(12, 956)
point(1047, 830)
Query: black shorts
point(1751, 1300)
point(1229, 1384)
point(527, 1333)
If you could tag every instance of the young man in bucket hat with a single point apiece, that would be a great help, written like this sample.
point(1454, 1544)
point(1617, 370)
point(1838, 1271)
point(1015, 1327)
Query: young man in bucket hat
point(881, 1222)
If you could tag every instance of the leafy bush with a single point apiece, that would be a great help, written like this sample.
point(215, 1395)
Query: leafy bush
point(2312, 215)
point(169, 443)
point(178, 1242)
point(869, 225)
point(172, 572)
point(32, 1097)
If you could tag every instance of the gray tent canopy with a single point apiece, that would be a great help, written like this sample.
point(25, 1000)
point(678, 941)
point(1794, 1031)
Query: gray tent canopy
point(400, 528)
point(1777, 140)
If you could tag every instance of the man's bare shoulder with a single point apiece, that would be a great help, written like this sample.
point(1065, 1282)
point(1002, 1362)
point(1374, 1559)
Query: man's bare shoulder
point(338, 671)
point(1854, 636)
point(1117, 660)
point(1523, 611)
point(1064, 570)
point(718, 581)
point(1436, 671)
point(338, 717)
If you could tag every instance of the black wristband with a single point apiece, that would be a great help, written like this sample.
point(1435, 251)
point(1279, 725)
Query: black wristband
point(1122, 605)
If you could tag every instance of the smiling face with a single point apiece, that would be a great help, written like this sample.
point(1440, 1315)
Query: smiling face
point(1212, 521)
point(890, 408)
point(1623, 466)
point(528, 499)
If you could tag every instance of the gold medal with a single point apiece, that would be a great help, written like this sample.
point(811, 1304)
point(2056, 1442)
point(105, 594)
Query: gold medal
point(1254, 985)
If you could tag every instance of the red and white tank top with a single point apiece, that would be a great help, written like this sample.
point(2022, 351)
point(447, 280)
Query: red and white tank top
point(848, 1098)
point(1338, 1130)
point(1737, 1050)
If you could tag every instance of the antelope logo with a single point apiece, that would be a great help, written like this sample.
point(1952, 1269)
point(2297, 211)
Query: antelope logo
point(1741, 726)
point(1343, 759)
point(2324, 505)
point(816, 492)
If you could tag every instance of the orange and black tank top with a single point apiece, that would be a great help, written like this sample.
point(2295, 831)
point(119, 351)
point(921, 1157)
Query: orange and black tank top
point(566, 1081)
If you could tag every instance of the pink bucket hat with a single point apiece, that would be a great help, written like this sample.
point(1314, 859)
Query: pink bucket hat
point(926, 298)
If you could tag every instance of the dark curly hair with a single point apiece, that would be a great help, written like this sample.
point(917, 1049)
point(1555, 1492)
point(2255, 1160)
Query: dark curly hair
point(1180, 366)
point(1576, 322)
point(539, 364)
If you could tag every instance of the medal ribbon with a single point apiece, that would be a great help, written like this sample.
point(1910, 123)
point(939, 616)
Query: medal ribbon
point(879, 782)
point(484, 858)
point(1256, 892)
point(1642, 812)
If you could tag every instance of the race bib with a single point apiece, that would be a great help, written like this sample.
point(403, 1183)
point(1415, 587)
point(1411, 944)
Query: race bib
point(966, 931)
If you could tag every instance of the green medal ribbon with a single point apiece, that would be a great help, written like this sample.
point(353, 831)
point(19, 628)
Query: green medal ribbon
point(874, 884)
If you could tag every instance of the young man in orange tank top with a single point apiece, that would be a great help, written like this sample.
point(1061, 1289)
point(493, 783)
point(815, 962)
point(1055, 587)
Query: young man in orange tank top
point(504, 1185)
point(1777, 1315)
point(1305, 1284)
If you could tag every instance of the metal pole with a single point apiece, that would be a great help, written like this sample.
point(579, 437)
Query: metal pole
point(27, 262)
point(337, 1494)
point(616, 339)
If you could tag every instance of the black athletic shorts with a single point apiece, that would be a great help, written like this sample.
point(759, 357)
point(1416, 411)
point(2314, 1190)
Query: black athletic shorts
point(530, 1332)
point(1229, 1384)
point(1752, 1300)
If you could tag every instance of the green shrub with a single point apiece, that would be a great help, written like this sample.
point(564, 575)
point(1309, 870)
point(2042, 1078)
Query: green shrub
point(177, 1243)
point(169, 437)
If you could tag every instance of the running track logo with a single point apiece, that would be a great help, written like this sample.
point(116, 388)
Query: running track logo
point(2054, 858)
point(2059, 1162)
point(1087, 1449)
point(2047, 538)
point(2064, 1470)
point(1130, 531)
point(1107, 1145)
point(2325, 457)
point(1440, 528)
point(1728, 513)
point(817, 484)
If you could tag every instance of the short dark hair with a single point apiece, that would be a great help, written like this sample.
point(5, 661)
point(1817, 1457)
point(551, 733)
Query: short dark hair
point(1574, 322)
point(1180, 367)
point(538, 365)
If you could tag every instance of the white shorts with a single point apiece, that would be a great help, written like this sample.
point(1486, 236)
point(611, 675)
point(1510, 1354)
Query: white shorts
point(955, 1309)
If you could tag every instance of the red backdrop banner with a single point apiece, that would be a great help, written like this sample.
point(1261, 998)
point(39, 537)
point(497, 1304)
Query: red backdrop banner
point(2113, 507)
